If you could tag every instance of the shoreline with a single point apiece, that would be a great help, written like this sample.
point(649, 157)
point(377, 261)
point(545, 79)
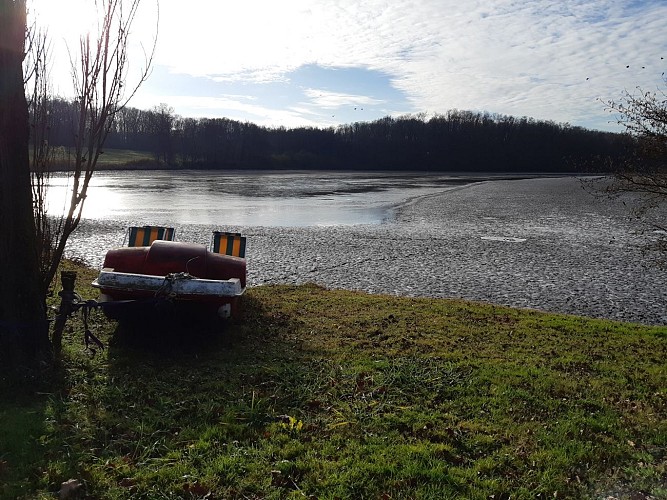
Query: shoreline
point(579, 257)
point(541, 244)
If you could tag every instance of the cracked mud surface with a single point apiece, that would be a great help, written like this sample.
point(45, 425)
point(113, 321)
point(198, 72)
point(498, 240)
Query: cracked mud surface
point(540, 243)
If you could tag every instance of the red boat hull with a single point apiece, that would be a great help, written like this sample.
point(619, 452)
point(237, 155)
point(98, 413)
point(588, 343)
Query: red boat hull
point(180, 272)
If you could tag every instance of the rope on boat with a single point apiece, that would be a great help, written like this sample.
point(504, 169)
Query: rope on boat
point(88, 336)
point(170, 279)
point(72, 302)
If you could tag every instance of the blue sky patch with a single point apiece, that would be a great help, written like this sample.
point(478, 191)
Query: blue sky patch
point(311, 93)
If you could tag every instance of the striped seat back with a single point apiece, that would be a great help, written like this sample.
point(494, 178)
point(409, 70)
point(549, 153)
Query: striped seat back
point(144, 236)
point(229, 243)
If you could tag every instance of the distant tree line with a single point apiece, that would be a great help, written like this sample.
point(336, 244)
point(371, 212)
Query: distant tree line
point(454, 141)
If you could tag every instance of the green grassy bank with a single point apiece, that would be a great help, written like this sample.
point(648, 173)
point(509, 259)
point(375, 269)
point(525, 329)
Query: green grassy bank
point(110, 159)
point(335, 394)
point(125, 158)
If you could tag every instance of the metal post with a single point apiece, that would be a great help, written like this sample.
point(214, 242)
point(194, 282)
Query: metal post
point(67, 296)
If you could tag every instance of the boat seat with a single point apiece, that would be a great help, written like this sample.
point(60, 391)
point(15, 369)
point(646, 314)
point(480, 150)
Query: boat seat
point(144, 236)
point(228, 244)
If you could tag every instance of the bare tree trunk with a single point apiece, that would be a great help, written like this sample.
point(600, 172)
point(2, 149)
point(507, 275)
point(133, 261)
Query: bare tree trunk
point(23, 326)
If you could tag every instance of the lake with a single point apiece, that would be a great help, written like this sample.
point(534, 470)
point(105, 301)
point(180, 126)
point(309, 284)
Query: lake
point(538, 243)
point(270, 199)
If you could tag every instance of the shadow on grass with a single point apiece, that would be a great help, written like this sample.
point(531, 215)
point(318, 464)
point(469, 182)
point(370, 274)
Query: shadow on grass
point(191, 331)
point(181, 382)
point(22, 426)
point(166, 375)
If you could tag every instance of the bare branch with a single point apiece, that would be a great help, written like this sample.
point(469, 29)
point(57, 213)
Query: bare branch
point(99, 77)
point(643, 114)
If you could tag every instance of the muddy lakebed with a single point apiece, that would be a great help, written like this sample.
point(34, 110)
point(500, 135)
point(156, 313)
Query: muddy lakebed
point(542, 243)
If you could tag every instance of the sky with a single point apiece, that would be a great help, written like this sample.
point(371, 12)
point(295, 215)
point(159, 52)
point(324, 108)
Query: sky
point(323, 63)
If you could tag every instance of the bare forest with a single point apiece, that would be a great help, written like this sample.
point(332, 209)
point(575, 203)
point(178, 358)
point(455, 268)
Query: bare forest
point(454, 141)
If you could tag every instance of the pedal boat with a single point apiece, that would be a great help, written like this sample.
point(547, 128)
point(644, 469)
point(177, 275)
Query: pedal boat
point(169, 271)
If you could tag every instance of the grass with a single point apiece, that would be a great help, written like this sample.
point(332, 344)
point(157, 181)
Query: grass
point(119, 157)
point(110, 159)
point(336, 394)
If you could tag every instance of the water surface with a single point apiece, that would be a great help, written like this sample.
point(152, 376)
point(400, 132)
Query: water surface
point(273, 199)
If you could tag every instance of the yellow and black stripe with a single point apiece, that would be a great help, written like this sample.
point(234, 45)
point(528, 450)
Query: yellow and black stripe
point(229, 243)
point(144, 236)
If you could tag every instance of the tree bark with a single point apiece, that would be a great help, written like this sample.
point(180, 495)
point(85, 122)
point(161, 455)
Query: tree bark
point(24, 338)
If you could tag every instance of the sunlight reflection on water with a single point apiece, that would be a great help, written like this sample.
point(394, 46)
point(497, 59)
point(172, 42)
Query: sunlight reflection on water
point(280, 199)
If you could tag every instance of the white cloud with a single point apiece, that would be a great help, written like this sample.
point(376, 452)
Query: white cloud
point(236, 107)
point(332, 100)
point(521, 58)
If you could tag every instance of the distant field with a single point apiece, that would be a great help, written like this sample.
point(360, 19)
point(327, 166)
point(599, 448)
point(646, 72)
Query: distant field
point(118, 157)
point(110, 159)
